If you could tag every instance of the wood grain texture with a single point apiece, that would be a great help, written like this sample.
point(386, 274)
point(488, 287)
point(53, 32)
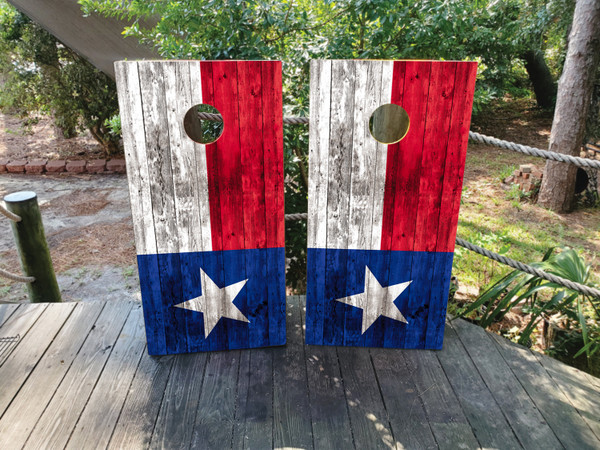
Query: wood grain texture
point(528, 424)
point(215, 414)
point(483, 413)
point(99, 417)
point(175, 422)
point(362, 398)
point(138, 417)
point(62, 413)
point(6, 311)
point(547, 396)
point(368, 416)
point(20, 419)
point(410, 429)
point(15, 369)
point(291, 421)
point(444, 412)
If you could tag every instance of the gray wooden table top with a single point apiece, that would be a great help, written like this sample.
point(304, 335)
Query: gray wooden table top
point(79, 377)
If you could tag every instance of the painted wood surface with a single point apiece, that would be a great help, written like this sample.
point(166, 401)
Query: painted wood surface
point(214, 207)
point(110, 393)
point(382, 217)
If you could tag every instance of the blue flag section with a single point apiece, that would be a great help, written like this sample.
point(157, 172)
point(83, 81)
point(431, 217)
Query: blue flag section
point(375, 298)
point(206, 301)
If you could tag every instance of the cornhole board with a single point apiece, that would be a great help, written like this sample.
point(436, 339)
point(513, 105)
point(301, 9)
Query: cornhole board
point(208, 219)
point(382, 218)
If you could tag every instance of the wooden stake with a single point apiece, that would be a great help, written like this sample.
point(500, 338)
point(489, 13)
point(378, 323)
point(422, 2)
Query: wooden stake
point(32, 247)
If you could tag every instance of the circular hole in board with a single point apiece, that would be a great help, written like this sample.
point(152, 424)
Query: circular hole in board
point(389, 123)
point(201, 129)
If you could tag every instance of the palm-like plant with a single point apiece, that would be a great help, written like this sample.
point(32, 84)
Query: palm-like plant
point(521, 288)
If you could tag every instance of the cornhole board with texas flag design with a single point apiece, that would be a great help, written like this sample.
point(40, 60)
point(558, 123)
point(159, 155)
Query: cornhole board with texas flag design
point(208, 219)
point(382, 218)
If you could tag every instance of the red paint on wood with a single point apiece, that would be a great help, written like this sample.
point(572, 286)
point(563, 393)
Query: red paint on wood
point(393, 159)
point(251, 142)
point(456, 154)
point(273, 153)
point(206, 77)
point(400, 231)
point(439, 111)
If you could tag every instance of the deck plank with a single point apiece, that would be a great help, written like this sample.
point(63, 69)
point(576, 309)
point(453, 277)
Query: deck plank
point(444, 412)
point(6, 311)
point(35, 394)
point(175, 422)
point(482, 411)
point(407, 417)
point(62, 413)
point(215, 413)
point(91, 381)
point(137, 420)
point(525, 419)
point(575, 385)
point(368, 416)
point(292, 422)
point(32, 346)
point(98, 419)
point(562, 417)
point(329, 413)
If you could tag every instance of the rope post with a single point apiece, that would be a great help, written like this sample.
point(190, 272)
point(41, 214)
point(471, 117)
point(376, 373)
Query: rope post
point(32, 246)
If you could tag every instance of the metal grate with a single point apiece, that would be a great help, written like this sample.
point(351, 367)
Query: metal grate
point(7, 344)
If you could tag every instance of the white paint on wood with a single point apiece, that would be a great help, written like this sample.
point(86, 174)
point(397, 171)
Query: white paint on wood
point(340, 152)
point(134, 141)
point(384, 97)
point(159, 161)
point(201, 164)
point(320, 114)
point(178, 101)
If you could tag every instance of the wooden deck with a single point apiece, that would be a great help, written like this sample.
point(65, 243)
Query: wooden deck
point(80, 378)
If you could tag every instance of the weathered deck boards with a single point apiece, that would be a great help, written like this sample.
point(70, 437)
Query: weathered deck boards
point(80, 377)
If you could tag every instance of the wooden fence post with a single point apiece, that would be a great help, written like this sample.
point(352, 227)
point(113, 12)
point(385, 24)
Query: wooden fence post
point(32, 247)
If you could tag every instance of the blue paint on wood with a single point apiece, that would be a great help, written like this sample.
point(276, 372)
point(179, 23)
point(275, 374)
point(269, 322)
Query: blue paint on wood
point(315, 289)
point(429, 274)
point(153, 308)
point(276, 291)
point(169, 279)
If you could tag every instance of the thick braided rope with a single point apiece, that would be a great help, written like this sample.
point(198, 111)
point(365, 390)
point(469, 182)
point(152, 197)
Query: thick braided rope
point(12, 276)
point(528, 269)
point(475, 137)
point(504, 260)
point(6, 213)
point(560, 157)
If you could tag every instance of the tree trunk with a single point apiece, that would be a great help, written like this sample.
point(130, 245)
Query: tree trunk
point(574, 93)
point(541, 78)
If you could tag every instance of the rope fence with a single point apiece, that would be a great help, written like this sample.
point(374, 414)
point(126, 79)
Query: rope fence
point(586, 290)
point(9, 215)
point(3, 273)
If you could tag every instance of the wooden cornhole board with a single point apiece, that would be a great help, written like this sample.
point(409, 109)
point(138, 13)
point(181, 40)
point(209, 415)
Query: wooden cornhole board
point(208, 219)
point(382, 218)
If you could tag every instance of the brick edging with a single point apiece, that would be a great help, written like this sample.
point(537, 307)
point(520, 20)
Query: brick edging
point(39, 166)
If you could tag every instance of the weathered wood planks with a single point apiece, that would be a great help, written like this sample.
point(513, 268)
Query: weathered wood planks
point(208, 218)
point(382, 218)
point(113, 395)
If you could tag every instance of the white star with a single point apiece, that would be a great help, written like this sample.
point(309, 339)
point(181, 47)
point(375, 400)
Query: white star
point(215, 302)
point(376, 300)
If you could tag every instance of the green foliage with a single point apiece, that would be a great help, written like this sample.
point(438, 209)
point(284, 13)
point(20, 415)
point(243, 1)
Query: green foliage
point(540, 298)
point(43, 76)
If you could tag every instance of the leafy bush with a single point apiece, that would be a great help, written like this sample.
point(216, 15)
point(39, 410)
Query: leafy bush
point(40, 75)
point(541, 299)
